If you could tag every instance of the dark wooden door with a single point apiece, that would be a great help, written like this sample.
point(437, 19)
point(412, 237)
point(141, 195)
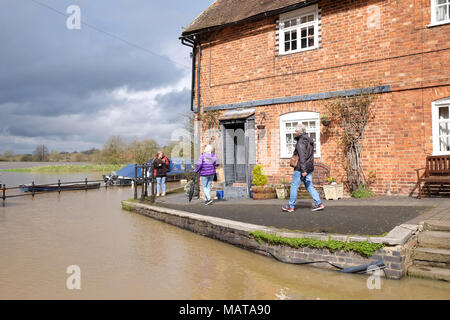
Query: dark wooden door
point(235, 152)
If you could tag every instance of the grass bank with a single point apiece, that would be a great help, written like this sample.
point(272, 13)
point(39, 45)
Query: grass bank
point(100, 168)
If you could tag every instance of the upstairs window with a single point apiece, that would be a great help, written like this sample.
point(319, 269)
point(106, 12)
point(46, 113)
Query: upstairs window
point(440, 11)
point(299, 30)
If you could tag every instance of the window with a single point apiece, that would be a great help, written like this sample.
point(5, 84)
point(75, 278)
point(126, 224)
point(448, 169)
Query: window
point(441, 127)
point(289, 122)
point(299, 30)
point(440, 11)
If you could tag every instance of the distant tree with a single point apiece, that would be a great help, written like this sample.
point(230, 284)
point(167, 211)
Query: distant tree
point(41, 153)
point(90, 151)
point(114, 150)
point(8, 153)
point(172, 150)
point(144, 150)
point(77, 157)
point(26, 157)
point(55, 156)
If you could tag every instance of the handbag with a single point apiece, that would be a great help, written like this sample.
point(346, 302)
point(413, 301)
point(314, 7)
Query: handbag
point(293, 162)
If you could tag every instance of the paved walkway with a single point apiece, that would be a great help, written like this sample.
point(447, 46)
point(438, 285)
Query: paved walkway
point(374, 216)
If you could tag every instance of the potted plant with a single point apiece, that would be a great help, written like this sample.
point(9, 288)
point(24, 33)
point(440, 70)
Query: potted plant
point(332, 189)
point(283, 190)
point(325, 120)
point(260, 189)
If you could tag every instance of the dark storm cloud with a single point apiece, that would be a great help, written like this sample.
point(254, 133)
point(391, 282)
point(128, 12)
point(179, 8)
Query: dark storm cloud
point(57, 85)
point(176, 102)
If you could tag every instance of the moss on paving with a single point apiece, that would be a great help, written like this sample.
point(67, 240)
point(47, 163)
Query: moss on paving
point(364, 248)
point(126, 207)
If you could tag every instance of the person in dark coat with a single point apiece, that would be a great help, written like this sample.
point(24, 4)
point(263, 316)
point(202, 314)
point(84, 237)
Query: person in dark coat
point(161, 166)
point(303, 171)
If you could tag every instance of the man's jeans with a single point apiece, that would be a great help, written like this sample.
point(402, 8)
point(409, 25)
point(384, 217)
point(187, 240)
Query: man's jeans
point(297, 180)
point(206, 184)
point(160, 182)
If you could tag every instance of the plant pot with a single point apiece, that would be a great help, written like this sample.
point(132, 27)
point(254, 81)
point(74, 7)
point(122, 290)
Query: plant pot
point(283, 193)
point(326, 123)
point(333, 191)
point(263, 193)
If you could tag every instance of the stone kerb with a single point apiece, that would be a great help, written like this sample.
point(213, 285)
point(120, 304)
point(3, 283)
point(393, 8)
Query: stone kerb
point(393, 254)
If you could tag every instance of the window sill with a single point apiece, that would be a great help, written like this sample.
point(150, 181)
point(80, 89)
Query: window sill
point(441, 153)
point(298, 51)
point(436, 24)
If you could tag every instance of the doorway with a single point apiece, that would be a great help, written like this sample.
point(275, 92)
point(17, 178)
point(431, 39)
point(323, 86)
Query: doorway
point(235, 151)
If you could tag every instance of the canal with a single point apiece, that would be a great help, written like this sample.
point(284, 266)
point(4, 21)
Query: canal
point(123, 255)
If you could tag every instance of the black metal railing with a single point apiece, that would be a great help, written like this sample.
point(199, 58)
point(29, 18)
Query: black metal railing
point(146, 180)
point(58, 187)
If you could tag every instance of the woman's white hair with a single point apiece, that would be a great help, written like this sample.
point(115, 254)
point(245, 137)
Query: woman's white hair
point(301, 128)
point(208, 149)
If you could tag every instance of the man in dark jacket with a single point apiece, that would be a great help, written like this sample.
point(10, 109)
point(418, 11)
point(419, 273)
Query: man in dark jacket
point(304, 170)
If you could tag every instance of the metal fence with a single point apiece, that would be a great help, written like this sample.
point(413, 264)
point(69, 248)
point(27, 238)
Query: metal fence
point(34, 189)
point(146, 182)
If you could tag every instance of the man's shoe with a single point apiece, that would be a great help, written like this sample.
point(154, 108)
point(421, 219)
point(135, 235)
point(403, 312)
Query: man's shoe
point(318, 208)
point(209, 202)
point(287, 208)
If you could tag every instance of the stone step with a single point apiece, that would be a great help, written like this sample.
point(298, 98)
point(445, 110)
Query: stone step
point(423, 263)
point(434, 239)
point(429, 273)
point(432, 254)
point(239, 185)
point(235, 193)
point(436, 225)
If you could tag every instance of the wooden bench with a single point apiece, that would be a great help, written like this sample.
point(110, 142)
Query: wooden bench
point(436, 176)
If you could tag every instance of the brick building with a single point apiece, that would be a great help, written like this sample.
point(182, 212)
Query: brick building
point(262, 66)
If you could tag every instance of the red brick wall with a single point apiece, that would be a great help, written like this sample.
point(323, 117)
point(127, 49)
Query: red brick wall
point(240, 63)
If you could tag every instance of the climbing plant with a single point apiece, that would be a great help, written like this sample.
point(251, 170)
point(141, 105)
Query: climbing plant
point(350, 116)
point(211, 118)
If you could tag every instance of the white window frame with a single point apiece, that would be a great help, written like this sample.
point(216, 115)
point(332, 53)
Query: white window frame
point(299, 116)
point(297, 14)
point(435, 125)
point(434, 21)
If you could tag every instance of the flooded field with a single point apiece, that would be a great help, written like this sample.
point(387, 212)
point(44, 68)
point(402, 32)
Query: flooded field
point(123, 255)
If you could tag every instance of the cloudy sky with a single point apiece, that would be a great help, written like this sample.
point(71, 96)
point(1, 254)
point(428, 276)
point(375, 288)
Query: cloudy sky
point(72, 89)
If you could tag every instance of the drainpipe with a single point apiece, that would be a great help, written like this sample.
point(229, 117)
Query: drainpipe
point(198, 75)
point(197, 150)
point(191, 43)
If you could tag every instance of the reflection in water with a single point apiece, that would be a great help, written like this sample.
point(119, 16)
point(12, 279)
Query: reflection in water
point(123, 255)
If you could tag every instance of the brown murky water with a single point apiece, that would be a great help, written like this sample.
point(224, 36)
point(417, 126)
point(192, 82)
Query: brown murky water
point(127, 256)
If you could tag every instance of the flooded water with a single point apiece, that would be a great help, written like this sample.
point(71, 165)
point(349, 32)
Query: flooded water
point(123, 255)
